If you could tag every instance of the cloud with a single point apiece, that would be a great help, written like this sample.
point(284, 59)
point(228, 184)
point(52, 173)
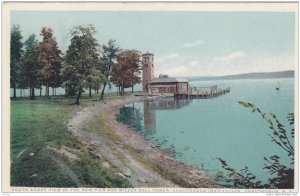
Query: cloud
point(234, 63)
point(231, 57)
point(270, 62)
point(176, 71)
point(194, 62)
point(189, 45)
point(182, 69)
point(166, 58)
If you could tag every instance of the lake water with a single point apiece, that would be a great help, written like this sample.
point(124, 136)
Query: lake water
point(201, 130)
point(61, 91)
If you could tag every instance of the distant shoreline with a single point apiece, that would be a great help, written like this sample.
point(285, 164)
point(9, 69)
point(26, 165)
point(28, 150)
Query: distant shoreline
point(254, 75)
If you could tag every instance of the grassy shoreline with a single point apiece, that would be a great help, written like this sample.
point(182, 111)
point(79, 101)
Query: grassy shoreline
point(40, 140)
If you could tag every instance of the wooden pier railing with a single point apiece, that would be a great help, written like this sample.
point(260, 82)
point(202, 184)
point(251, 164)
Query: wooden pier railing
point(203, 92)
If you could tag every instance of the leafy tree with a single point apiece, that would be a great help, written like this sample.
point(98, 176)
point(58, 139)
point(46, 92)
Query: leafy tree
point(125, 73)
point(95, 77)
point(50, 59)
point(15, 56)
point(30, 65)
point(81, 67)
point(109, 56)
point(284, 175)
point(22, 82)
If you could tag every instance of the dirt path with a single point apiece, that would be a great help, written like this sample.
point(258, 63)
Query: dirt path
point(114, 154)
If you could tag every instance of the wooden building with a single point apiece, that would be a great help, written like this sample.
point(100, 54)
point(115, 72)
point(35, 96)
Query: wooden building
point(168, 85)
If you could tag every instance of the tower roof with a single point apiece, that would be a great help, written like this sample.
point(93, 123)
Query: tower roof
point(147, 53)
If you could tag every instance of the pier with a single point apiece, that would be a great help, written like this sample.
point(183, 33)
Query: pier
point(203, 92)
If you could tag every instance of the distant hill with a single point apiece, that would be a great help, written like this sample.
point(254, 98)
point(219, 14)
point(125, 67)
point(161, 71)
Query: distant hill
point(258, 75)
point(261, 75)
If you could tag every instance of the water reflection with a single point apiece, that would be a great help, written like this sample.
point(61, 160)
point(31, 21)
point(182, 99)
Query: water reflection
point(149, 118)
point(142, 116)
point(168, 103)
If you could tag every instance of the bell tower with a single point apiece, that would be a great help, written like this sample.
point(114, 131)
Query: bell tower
point(148, 69)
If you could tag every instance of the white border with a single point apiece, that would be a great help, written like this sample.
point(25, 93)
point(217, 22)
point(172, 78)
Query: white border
point(132, 6)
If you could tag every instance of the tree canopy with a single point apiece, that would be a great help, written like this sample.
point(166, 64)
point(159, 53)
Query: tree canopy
point(85, 64)
point(81, 68)
point(31, 69)
point(16, 46)
point(125, 73)
point(50, 59)
point(109, 57)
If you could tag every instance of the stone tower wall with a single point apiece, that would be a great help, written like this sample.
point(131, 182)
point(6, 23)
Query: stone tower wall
point(148, 69)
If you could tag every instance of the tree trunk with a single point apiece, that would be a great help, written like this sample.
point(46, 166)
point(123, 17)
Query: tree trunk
point(33, 95)
point(52, 90)
point(40, 90)
point(47, 89)
point(122, 87)
point(15, 92)
point(97, 89)
point(55, 91)
point(78, 97)
point(102, 93)
point(30, 91)
point(132, 88)
point(21, 92)
point(122, 90)
point(90, 91)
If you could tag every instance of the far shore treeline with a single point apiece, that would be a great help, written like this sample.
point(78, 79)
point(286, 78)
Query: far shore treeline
point(87, 64)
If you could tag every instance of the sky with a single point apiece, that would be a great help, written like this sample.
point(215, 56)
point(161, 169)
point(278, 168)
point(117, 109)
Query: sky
point(183, 43)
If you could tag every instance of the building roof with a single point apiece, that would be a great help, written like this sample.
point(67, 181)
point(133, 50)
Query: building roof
point(169, 79)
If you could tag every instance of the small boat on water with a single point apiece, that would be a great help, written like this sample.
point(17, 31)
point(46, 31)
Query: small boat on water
point(278, 86)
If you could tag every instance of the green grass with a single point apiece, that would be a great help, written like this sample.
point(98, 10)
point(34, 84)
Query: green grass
point(38, 124)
